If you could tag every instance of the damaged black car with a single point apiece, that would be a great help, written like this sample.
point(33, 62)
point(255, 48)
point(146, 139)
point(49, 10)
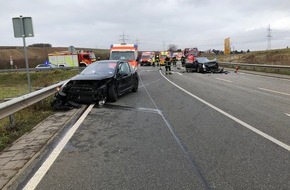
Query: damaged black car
point(202, 65)
point(101, 81)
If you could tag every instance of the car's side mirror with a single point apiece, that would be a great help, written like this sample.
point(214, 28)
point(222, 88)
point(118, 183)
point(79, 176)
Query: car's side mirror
point(122, 74)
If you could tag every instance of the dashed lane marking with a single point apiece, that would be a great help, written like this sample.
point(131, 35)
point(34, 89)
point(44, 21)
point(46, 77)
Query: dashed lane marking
point(223, 80)
point(277, 92)
point(149, 83)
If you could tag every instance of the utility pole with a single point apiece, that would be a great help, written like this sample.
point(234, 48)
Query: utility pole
point(269, 36)
point(123, 38)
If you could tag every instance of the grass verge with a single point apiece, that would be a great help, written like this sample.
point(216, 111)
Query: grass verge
point(15, 84)
point(23, 122)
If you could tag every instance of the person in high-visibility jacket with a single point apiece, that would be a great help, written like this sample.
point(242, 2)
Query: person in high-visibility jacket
point(157, 60)
point(167, 65)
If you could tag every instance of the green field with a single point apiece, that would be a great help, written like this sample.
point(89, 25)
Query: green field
point(16, 84)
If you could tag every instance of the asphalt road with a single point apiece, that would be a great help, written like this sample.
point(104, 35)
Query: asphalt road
point(182, 131)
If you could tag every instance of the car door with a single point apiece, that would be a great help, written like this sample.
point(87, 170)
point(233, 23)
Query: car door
point(124, 77)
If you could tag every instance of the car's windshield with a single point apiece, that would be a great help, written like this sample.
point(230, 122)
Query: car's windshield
point(202, 59)
point(100, 68)
point(122, 55)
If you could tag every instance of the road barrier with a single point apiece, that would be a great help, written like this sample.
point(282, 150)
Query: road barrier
point(280, 69)
point(39, 69)
point(16, 104)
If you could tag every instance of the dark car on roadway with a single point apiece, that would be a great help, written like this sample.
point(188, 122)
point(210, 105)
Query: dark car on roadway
point(202, 64)
point(101, 81)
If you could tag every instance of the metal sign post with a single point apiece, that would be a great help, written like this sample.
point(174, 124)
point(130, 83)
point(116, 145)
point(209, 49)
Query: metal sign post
point(23, 28)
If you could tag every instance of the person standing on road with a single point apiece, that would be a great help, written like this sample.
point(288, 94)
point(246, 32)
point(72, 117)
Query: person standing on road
point(167, 65)
point(157, 60)
point(183, 61)
point(174, 60)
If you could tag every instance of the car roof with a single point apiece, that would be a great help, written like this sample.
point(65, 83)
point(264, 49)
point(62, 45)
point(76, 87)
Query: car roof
point(110, 61)
point(42, 65)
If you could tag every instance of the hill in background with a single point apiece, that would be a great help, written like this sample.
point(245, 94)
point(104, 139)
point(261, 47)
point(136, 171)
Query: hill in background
point(270, 57)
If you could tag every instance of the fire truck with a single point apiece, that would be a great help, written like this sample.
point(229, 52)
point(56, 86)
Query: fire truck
point(72, 59)
point(192, 51)
point(162, 56)
point(127, 52)
point(190, 54)
point(147, 58)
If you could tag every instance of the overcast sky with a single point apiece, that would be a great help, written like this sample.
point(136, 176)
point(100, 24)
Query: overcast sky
point(153, 24)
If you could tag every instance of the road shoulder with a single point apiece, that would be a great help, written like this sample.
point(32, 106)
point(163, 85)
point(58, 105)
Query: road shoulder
point(15, 159)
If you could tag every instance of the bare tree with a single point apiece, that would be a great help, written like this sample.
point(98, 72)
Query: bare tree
point(172, 47)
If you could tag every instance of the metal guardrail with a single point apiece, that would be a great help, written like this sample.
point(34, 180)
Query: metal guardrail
point(276, 69)
point(256, 65)
point(19, 103)
point(38, 70)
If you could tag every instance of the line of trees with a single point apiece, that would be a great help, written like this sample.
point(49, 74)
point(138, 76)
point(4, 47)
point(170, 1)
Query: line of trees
point(40, 45)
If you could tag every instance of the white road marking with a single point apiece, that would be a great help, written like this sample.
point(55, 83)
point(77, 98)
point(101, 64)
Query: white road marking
point(262, 76)
point(149, 83)
point(178, 141)
point(287, 114)
point(150, 110)
point(266, 136)
point(34, 181)
point(283, 93)
point(223, 80)
point(179, 73)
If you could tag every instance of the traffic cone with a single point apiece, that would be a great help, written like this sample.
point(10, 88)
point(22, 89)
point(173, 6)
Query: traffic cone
point(237, 68)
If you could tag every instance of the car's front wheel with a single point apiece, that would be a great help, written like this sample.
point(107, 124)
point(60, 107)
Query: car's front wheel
point(135, 86)
point(113, 93)
point(198, 69)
